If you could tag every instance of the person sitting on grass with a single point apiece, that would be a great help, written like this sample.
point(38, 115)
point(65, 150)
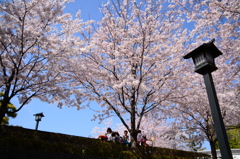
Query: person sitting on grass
point(126, 138)
point(144, 141)
point(109, 134)
point(139, 137)
point(115, 136)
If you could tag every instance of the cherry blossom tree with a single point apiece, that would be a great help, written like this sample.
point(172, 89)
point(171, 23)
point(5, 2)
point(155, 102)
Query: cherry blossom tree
point(211, 19)
point(34, 36)
point(194, 115)
point(165, 134)
point(219, 20)
point(130, 65)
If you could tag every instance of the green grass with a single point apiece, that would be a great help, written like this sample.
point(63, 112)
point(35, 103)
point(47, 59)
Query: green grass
point(28, 139)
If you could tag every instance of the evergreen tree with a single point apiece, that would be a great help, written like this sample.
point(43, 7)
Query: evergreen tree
point(11, 108)
point(233, 138)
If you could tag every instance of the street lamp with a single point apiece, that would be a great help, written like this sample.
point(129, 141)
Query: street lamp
point(38, 118)
point(203, 58)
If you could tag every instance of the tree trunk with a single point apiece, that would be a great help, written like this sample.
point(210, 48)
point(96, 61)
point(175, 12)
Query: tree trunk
point(133, 138)
point(133, 126)
point(2, 115)
point(5, 101)
point(3, 110)
point(213, 150)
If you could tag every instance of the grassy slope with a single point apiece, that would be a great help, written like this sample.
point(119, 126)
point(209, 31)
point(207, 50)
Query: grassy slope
point(28, 139)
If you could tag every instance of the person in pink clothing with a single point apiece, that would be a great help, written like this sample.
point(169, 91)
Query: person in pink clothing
point(144, 141)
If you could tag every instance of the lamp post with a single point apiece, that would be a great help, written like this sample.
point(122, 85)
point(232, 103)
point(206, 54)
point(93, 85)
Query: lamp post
point(38, 118)
point(203, 58)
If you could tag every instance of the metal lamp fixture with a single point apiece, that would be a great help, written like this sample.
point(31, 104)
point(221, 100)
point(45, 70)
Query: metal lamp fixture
point(203, 58)
point(38, 117)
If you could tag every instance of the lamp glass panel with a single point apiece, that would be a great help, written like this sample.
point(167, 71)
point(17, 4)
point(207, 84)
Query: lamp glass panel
point(38, 117)
point(199, 59)
point(210, 58)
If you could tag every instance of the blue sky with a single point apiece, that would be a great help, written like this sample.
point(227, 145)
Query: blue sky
point(89, 8)
point(67, 120)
